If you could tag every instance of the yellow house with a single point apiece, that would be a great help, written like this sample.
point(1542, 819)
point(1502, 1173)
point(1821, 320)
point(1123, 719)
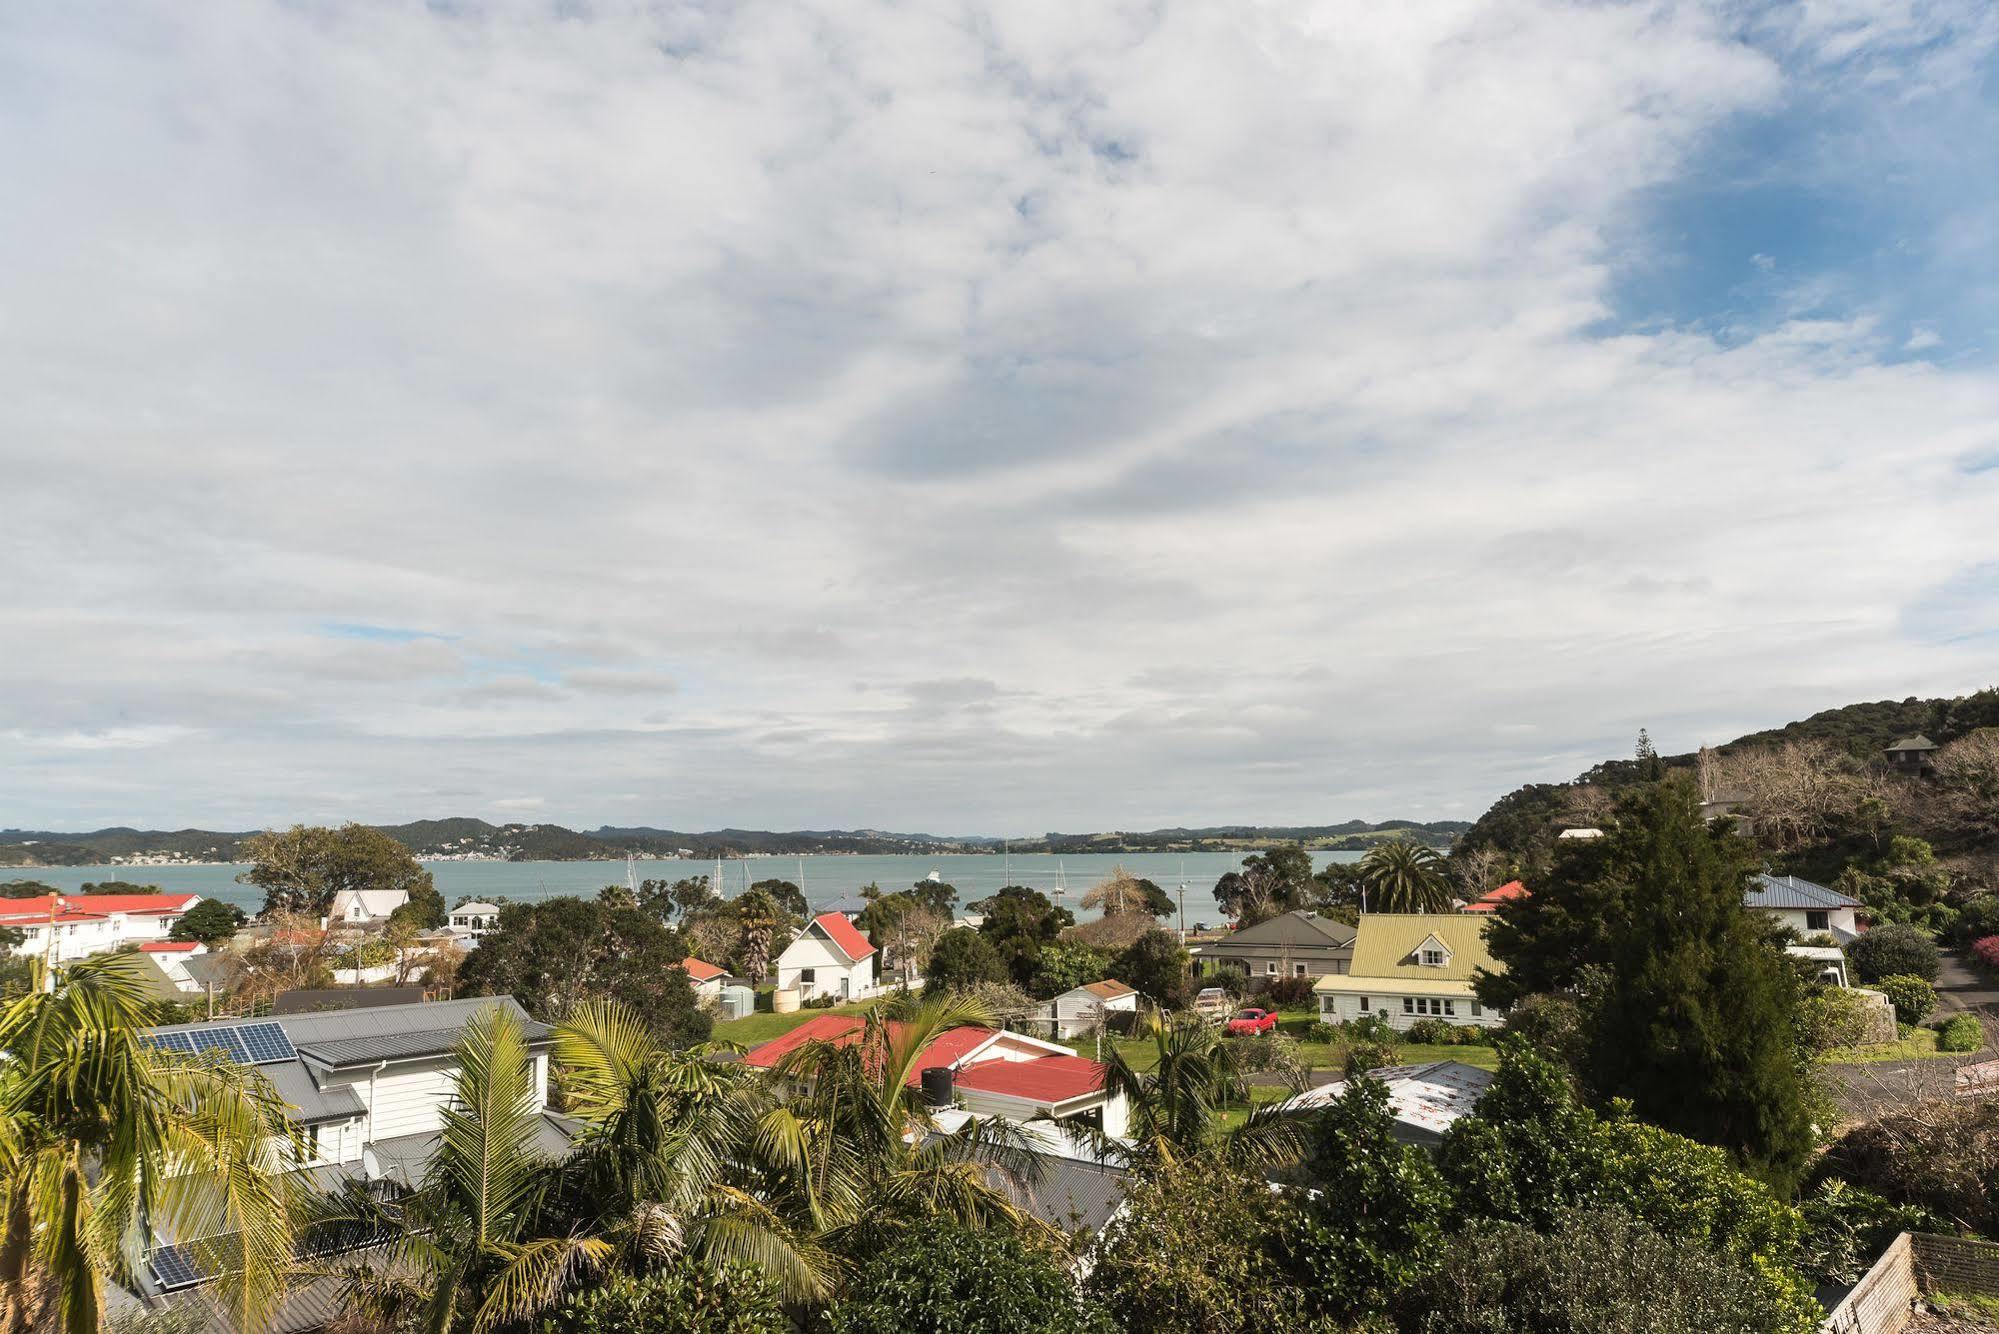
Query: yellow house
point(1410, 966)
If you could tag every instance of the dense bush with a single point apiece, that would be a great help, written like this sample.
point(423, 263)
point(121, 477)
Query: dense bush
point(1960, 1032)
point(1192, 1251)
point(1603, 1272)
point(1362, 1057)
point(1830, 1017)
point(1066, 965)
point(956, 1281)
point(1894, 949)
point(1288, 992)
point(1986, 949)
point(1942, 1156)
point(1912, 997)
point(1847, 1227)
point(960, 959)
point(1271, 1053)
point(1979, 918)
point(689, 1298)
point(1429, 1032)
point(1553, 1025)
point(1323, 1032)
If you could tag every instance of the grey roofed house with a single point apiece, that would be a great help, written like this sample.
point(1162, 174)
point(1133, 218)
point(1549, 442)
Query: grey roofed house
point(1292, 944)
point(1912, 743)
point(311, 1001)
point(1787, 891)
point(850, 905)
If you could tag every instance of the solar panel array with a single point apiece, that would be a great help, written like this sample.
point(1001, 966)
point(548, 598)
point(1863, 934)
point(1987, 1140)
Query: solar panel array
point(246, 1044)
point(174, 1267)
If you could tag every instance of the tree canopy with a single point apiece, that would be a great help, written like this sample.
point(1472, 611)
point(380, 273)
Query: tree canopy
point(211, 921)
point(302, 868)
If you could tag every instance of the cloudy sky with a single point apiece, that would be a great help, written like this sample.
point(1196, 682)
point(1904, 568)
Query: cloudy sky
point(975, 417)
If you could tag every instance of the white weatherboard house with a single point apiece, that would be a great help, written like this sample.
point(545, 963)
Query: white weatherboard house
point(364, 907)
point(87, 924)
point(830, 957)
point(1085, 1008)
point(1811, 909)
point(1412, 966)
point(474, 919)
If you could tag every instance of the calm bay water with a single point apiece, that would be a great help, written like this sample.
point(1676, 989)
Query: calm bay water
point(824, 878)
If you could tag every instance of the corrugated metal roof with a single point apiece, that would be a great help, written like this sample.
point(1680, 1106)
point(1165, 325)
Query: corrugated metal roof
point(1917, 742)
point(312, 1103)
point(1423, 1098)
point(312, 1001)
point(399, 1046)
point(1787, 891)
point(1299, 928)
point(1387, 945)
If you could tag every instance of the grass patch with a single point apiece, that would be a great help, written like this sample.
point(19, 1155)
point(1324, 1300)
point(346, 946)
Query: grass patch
point(762, 1027)
point(1921, 1044)
point(1964, 1304)
point(1317, 1055)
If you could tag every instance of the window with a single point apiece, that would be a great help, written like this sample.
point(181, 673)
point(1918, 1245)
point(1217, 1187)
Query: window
point(805, 977)
point(1451, 1008)
point(1408, 1005)
point(1476, 1011)
point(1818, 920)
point(1363, 1005)
point(1297, 970)
point(1433, 958)
point(1270, 969)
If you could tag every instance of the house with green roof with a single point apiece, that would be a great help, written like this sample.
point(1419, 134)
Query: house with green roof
point(1410, 966)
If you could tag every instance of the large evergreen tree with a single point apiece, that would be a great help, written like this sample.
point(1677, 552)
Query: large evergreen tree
point(1691, 1015)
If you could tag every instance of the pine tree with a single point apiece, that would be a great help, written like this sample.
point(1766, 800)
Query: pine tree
point(1694, 1023)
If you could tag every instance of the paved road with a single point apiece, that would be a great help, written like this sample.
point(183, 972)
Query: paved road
point(1865, 1091)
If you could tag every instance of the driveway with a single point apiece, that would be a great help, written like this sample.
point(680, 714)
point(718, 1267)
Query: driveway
point(1868, 1090)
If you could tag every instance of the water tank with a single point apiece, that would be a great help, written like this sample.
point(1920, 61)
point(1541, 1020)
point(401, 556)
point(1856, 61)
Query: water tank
point(784, 1000)
point(738, 1002)
point(938, 1086)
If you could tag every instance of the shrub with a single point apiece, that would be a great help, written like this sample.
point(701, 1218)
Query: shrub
point(689, 1298)
point(956, 1281)
point(1272, 1053)
point(1979, 917)
point(819, 1003)
point(1912, 997)
point(961, 958)
point(1830, 1017)
point(1603, 1272)
point(1943, 1157)
point(1471, 1035)
point(1283, 992)
point(1986, 949)
point(1846, 1228)
point(1893, 950)
point(1323, 1032)
point(1365, 1056)
point(1369, 1028)
point(1430, 1033)
point(1552, 1025)
point(1960, 1032)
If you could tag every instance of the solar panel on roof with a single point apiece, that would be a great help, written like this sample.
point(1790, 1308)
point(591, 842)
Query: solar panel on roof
point(222, 1041)
point(174, 1267)
point(179, 1042)
point(266, 1043)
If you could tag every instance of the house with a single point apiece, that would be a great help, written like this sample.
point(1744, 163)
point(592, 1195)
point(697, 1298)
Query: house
point(1085, 1007)
point(705, 976)
point(364, 907)
point(990, 1072)
point(366, 1088)
point(1491, 899)
point(1582, 833)
point(1425, 1100)
point(830, 957)
point(1411, 966)
point(311, 1000)
point(1077, 1184)
point(1810, 909)
point(86, 924)
point(1292, 944)
point(1828, 962)
point(167, 971)
point(850, 906)
point(473, 920)
point(1912, 755)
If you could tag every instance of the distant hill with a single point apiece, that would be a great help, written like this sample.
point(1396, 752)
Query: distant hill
point(462, 837)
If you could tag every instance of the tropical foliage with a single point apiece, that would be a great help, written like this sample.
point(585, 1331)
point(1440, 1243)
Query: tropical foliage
point(1404, 876)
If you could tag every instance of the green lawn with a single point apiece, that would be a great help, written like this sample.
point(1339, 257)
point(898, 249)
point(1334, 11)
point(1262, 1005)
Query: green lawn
point(762, 1026)
point(1921, 1044)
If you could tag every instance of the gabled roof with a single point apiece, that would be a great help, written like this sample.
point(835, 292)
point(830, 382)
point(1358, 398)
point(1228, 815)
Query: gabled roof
point(1051, 1079)
point(1291, 928)
point(1490, 901)
point(1387, 944)
point(482, 909)
point(1108, 989)
point(1917, 742)
point(947, 1048)
point(701, 970)
point(375, 901)
point(845, 938)
point(1787, 891)
point(101, 905)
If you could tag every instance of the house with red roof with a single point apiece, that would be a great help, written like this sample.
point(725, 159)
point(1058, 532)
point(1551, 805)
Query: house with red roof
point(993, 1072)
point(92, 923)
point(1490, 901)
point(830, 957)
point(706, 977)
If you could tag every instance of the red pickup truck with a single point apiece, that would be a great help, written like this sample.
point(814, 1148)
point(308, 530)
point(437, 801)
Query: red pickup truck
point(1248, 1023)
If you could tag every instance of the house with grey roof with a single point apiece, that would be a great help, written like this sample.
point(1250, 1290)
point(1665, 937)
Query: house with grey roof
point(1912, 754)
point(1811, 909)
point(1292, 944)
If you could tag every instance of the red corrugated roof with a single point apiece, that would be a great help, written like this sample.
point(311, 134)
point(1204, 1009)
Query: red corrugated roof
point(1512, 889)
point(1050, 1079)
point(103, 904)
point(168, 947)
point(947, 1048)
point(1108, 989)
point(700, 970)
point(40, 917)
point(850, 941)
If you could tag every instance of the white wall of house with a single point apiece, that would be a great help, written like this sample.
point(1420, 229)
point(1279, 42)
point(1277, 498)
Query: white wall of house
point(1116, 1112)
point(1079, 1011)
point(1404, 1009)
point(1813, 921)
point(409, 1097)
point(831, 972)
point(74, 940)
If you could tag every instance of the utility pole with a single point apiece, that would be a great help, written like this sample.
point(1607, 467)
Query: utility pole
point(49, 955)
point(1183, 900)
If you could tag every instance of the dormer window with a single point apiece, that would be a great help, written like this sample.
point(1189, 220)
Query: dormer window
point(1433, 953)
point(1434, 958)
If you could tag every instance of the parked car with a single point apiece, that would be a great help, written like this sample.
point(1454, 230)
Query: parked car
point(1249, 1023)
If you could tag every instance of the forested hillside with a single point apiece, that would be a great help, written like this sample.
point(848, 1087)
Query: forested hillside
point(1819, 798)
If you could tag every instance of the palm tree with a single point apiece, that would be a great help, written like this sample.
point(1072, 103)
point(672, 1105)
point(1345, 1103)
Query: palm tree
point(1176, 1104)
point(1404, 876)
point(757, 914)
point(850, 1152)
point(108, 1143)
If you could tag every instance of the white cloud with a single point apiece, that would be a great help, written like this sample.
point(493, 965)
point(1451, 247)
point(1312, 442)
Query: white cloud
point(1006, 418)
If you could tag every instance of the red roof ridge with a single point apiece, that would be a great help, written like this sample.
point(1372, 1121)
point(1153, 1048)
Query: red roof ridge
point(701, 970)
point(844, 936)
point(169, 946)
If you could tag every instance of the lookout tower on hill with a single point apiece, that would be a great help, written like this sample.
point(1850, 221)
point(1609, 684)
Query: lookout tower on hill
point(1912, 755)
